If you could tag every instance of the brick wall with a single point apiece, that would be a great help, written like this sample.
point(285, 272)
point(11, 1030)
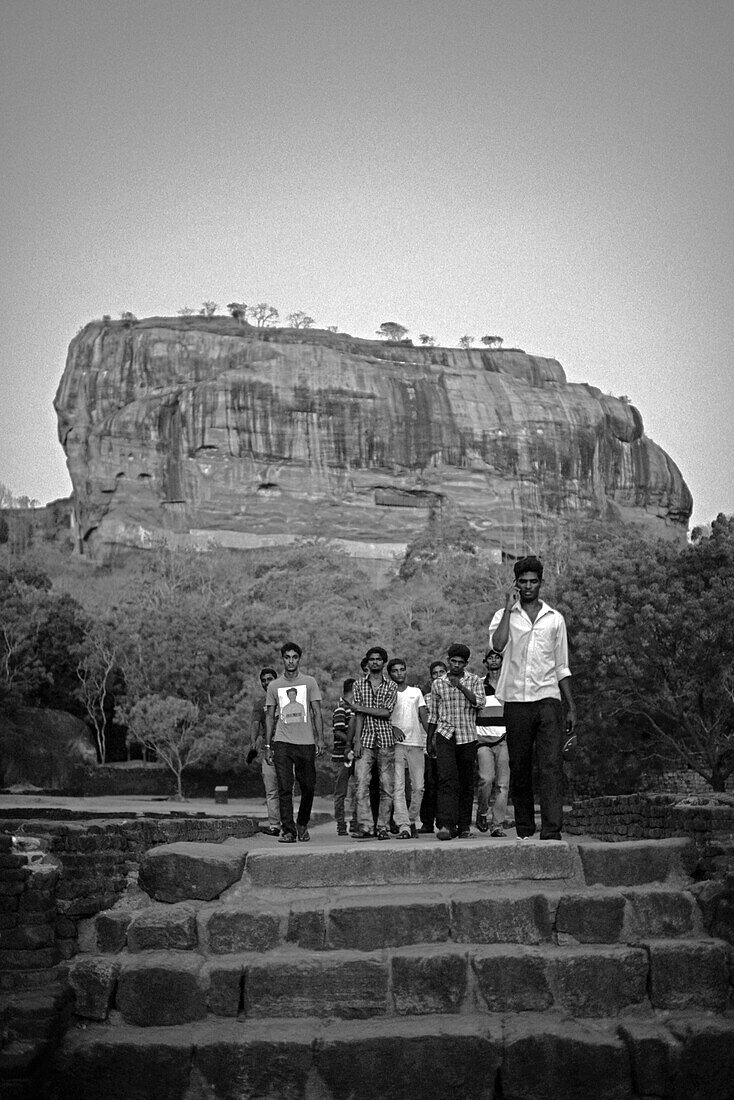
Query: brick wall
point(649, 816)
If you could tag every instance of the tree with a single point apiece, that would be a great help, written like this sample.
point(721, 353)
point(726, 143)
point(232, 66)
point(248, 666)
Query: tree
point(426, 339)
point(392, 331)
point(208, 309)
point(238, 311)
point(466, 341)
point(299, 319)
point(186, 311)
point(128, 318)
point(166, 726)
point(492, 341)
point(95, 668)
point(263, 314)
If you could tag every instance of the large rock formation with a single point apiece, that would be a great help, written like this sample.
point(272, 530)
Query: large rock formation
point(199, 429)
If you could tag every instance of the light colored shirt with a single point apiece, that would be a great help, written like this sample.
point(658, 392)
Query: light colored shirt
point(535, 657)
point(293, 723)
point(453, 715)
point(405, 716)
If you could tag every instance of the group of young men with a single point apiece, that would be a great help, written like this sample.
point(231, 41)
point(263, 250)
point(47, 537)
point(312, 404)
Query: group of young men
point(385, 726)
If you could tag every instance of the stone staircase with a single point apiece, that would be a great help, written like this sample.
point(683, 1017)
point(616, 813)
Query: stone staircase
point(474, 970)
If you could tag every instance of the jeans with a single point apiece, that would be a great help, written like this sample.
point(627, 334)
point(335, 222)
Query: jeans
point(494, 769)
point(345, 797)
point(412, 757)
point(270, 780)
point(430, 792)
point(386, 764)
point(540, 724)
point(301, 759)
point(455, 783)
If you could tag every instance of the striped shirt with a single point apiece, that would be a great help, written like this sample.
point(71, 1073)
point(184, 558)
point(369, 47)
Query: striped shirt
point(340, 727)
point(451, 712)
point(376, 732)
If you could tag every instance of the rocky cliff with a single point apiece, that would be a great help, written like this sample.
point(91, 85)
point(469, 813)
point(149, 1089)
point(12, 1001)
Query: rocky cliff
point(194, 429)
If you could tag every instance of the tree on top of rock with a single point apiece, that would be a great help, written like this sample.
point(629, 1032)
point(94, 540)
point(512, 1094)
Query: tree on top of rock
point(263, 314)
point(429, 341)
point(299, 319)
point(392, 331)
point(492, 341)
point(466, 341)
point(238, 310)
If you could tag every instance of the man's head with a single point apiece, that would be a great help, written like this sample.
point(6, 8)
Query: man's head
point(396, 670)
point(458, 656)
point(347, 687)
point(266, 676)
point(437, 669)
point(492, 660)
point(376, 657)
point(291, 654)
point(291, 693)
point(528, 578)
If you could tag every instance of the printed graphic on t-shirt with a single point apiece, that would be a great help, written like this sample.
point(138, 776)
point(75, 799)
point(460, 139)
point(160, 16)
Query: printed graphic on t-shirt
point(292, 703)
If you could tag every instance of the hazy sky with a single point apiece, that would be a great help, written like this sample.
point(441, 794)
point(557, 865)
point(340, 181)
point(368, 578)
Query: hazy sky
point(558, 173)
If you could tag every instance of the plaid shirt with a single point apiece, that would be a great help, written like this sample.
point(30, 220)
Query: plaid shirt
point(376, 731)
point(452, 713)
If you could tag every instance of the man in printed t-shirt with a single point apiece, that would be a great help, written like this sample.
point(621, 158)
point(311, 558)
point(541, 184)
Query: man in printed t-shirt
point(409, 715)
point(293, 739)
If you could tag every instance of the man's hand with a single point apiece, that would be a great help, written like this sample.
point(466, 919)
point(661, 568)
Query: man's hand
point(357, 747)
point(431, 745)
point(513, 595)
point(269, 754)
point(571, 720)
point(398, 734)
point(319, 747)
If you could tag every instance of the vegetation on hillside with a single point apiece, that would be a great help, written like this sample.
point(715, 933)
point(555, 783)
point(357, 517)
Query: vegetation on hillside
point(652, 647)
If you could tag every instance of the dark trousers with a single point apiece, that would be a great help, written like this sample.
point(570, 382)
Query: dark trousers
point(455, 783)
point(301, 759)
point(538, 724)
point(430, 792)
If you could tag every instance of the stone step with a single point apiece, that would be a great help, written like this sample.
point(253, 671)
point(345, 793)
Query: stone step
point(178, 872)
point(518, 1056)
point(167, 988)
point(399, 916)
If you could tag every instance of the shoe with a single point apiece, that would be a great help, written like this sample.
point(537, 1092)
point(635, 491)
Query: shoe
point(464, 834)
point(413, 832)
point(286, 838)
point(482, 823)
point(393, 827)
point(497, 831)
point(383, 834)
point(426, 829)
point(526, 836)
point(341, 829)
point(405, 834)
point(303, 833)
point(268, 829)
point(551, 836)
point(444, 833)
point(362, 834)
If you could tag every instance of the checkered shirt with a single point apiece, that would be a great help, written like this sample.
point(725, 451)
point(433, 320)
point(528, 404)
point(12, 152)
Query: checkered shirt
point(453, 715)
point(376, 731)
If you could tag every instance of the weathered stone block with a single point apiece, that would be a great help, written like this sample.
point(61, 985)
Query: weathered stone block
point(111, 927)
point(161, 988)
point(655, 1057)
point(230, 1062)
point(635, 862)
point(335, 984)
point(224, 978)
point(29, 937)
point(663, 913)
point(509, 918)
point(117, 1066)
point(688, 974)
point(546, 1058)
point(93, 979)
point(241, 930)
point(432, 981)
point(512, 978)
point(409, 1058)
point(28, 960)
point(184, 871)
point(172, 928)
point(706, 1067)
point(598, 981)
point(591, 918)
point(307, 928)
point(369, 926)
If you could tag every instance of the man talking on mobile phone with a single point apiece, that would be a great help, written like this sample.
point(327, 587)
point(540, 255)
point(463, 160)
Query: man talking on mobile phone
point(534, 684)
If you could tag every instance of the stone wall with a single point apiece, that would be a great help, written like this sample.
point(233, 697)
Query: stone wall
point(650, 816)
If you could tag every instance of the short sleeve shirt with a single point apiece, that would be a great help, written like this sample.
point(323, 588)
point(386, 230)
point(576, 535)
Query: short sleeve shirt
point(291, 700)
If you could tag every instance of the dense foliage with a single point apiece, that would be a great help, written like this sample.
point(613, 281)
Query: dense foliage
point(650, 628)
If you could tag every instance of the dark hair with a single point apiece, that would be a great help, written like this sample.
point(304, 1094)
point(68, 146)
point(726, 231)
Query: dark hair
point(396, 661)
point(348, 685)
point(492, 653)
point(290, 646)
point(363, 664)
point(436, 664)
point(529, 565)
point(376, 649)
point(272, 672)
point(459, 650)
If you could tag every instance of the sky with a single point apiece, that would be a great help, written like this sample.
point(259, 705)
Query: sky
point(556, 172)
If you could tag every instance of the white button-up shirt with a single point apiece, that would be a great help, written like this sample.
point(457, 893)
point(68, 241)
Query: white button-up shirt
point(535, 657)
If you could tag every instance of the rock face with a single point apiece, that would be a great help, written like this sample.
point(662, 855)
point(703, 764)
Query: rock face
point(196, 429)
